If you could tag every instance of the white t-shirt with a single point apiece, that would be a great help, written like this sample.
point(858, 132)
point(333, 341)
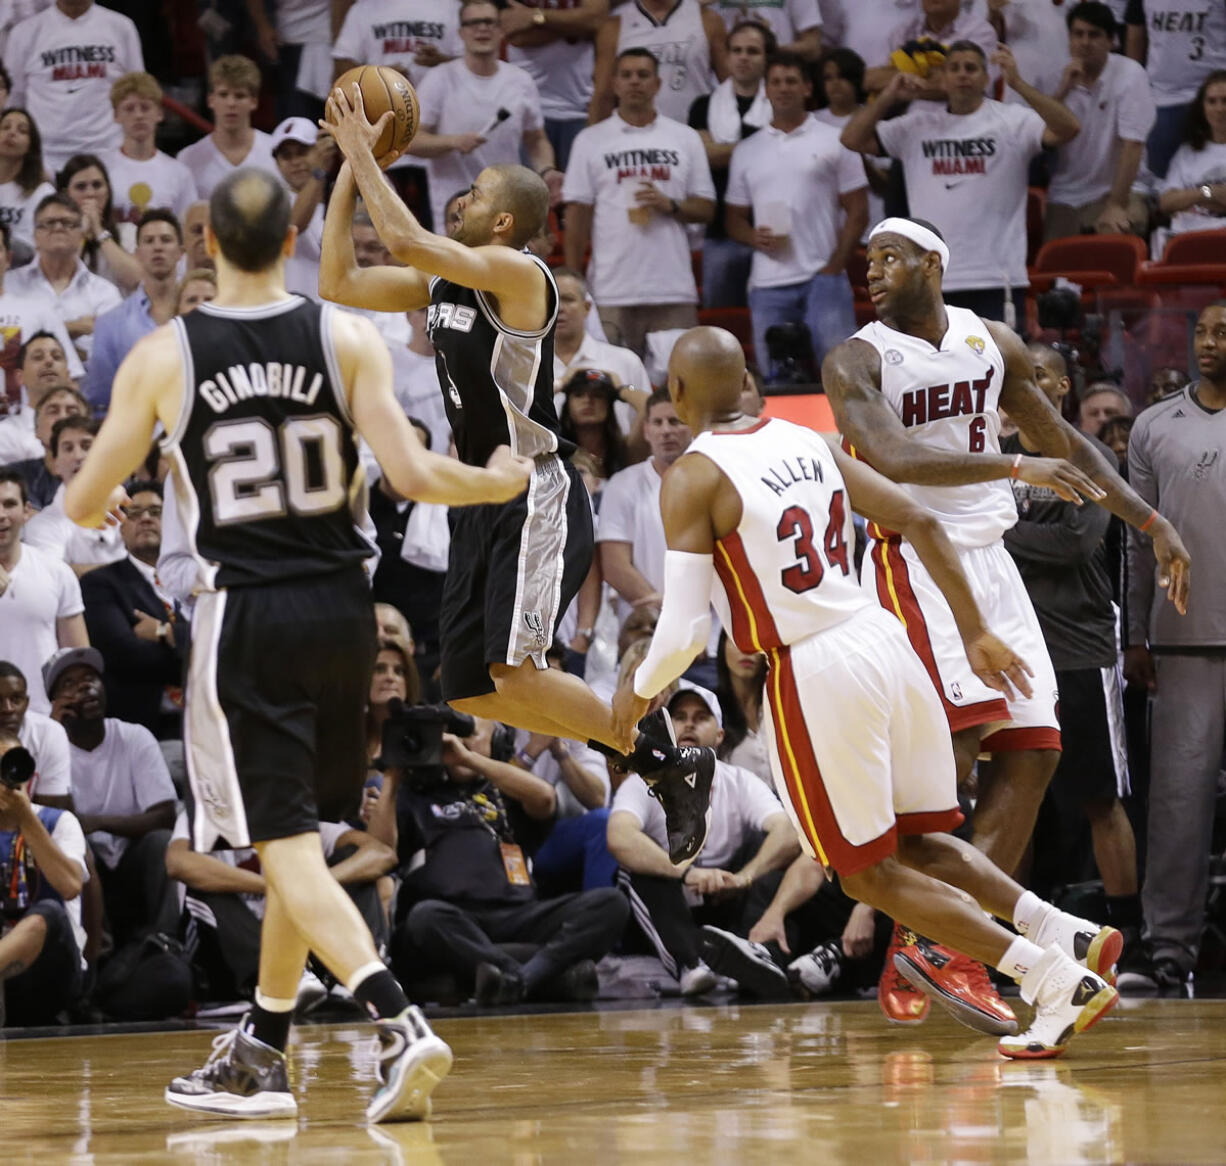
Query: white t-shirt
point(561, 69)
point(612, 358)
point(740, 803)
point(126, 774)
point(63, 69)
point(17, 440)
point(630, 513)
point(550, 770)
point(17, 209)
point(415, 383)
point(87, 294)
point(301, 22)
point(968, 174)
point(1038, 38)
point(208, 165)
point(800, 174)
point(787, 19)
point(391, 32)
point(51, 530)
point(634, 264)
point(1118, 106)
point(43, 589)
point(138, 186)
point(24, 311)
point(302, 268)
point(48, 744)
point(1190, 168)
point(455, 100)
point(1186, 42)
point(680, 44)
point(68, 836)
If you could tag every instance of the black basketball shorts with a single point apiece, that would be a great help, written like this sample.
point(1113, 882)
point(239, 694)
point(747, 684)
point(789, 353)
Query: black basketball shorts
point(274, 728)
point(513, 570)
point(1094, 762)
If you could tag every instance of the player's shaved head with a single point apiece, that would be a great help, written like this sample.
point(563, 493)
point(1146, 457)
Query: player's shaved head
point(249, 215)
point(708, 366)
point(522, 193)
point(1049, 357)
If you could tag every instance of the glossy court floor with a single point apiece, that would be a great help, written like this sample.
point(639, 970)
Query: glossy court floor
point(822, 1083)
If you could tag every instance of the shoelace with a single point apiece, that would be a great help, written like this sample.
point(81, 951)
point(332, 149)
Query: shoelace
point(222, 1044)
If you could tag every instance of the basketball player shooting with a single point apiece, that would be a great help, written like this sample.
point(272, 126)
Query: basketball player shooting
point(915, 394)
point(758, 513)
point(259, 393)
point(513, 569)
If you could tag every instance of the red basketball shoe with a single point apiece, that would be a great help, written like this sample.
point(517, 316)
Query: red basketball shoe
point(899, 1000)
point(959, 984)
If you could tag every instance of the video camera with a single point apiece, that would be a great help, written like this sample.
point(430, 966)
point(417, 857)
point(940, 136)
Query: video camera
point(413, 736)
point(16, 767)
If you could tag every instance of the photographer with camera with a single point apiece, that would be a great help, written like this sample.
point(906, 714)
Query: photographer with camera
point(461, 817)
point(42, 870)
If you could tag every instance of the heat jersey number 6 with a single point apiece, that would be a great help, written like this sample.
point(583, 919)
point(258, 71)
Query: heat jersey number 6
point(253, 480)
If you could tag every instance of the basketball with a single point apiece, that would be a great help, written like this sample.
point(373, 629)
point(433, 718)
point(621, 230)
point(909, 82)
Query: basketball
point(384, 88)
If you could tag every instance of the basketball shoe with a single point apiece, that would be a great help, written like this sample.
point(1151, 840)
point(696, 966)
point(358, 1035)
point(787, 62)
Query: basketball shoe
point(679, 777)
point(959, 984)
point(243, 1077)
point(1067, 999)
point(412, 1061)
point(818, 971)
point(1094, 947)
point(900, 1001)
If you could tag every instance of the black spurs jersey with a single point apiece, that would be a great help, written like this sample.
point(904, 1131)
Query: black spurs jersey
point(497, 382)
point(267, 478)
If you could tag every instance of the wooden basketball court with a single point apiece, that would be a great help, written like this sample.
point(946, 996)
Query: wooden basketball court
point(823, 1083)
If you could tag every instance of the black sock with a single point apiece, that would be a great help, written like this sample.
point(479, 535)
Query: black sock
point(1124, 911)
point(382, 995)
point(270, 1028)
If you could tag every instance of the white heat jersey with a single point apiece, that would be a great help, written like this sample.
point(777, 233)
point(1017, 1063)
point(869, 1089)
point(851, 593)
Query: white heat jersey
point(788, 570)
point(679, 43)
point(947, 397)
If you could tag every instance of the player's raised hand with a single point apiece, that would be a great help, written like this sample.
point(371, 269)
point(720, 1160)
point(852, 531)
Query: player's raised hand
point(510, 474)
point(998, 666)
point(345, 120)
point(1174, 563)
point(1063, 477)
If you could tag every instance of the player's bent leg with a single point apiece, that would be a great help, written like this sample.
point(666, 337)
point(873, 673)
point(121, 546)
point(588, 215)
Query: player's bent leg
point(1011, 789)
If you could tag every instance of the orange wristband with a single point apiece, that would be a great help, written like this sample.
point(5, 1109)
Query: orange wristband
point(1149, 521)
point(1017, 465)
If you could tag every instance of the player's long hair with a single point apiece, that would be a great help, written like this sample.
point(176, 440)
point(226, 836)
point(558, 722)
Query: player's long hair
point(736, 723)
point(1196, 131)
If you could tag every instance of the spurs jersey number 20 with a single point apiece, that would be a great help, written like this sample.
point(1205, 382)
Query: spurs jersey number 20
point(788, 570)
point(947, 399)
point(266, 471)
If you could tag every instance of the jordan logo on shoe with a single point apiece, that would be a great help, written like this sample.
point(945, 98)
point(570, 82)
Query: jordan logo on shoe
point(1085, 991)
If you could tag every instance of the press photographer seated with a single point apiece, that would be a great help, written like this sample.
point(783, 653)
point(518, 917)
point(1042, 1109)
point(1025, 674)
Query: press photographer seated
point(462, 819)
point(42, 870)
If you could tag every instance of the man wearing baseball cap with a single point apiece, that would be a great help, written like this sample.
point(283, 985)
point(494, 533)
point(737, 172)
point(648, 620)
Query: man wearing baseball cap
point(304, 159)
point(732, 879)
point(122, 794)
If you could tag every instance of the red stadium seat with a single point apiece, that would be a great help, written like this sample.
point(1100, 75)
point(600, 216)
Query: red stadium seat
point(1121, 255)
point(1183, 273)
point(1196, 247)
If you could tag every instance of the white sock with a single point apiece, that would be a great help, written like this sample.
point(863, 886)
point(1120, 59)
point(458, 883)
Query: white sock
point(1029, 912)
point(273, 1003)
point(1021, 956)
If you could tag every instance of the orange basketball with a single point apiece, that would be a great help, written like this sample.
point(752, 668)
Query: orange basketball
point(384, 88)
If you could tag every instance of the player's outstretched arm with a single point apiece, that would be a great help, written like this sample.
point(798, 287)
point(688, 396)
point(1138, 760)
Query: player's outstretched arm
point(502, 271)
point(380, 289)
point(687, 498)
point(881, 501)
point(851, 376)
point(1046, 430)
point(413, 471)
point(152, 367)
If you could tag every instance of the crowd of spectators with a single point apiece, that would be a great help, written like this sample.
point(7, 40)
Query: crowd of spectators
point(699, 155)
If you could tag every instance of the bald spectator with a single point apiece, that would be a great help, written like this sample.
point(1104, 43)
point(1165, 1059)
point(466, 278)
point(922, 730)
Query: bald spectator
point(634, 181)
point(1109, 95)
point(41, 479)
point(194, 222)
point(63, 62)
point(1099, 402)
point(142, 176)
point(234, 92)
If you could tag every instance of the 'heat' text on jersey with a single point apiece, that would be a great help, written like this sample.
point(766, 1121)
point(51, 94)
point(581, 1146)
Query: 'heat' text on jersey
point(937, 402)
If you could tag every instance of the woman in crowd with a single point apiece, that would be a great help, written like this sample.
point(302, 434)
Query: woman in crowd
point(198, 286)
point(22, 182)
point(588, 419)
point(394, 678)
point(1194, 194)
point(84, 180)
point(740, 691)
point(842, 82)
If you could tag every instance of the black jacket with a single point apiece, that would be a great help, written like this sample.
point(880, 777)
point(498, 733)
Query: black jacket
point(137, 671)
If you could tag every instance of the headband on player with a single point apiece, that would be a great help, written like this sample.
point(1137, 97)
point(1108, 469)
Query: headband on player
point(920, 235)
